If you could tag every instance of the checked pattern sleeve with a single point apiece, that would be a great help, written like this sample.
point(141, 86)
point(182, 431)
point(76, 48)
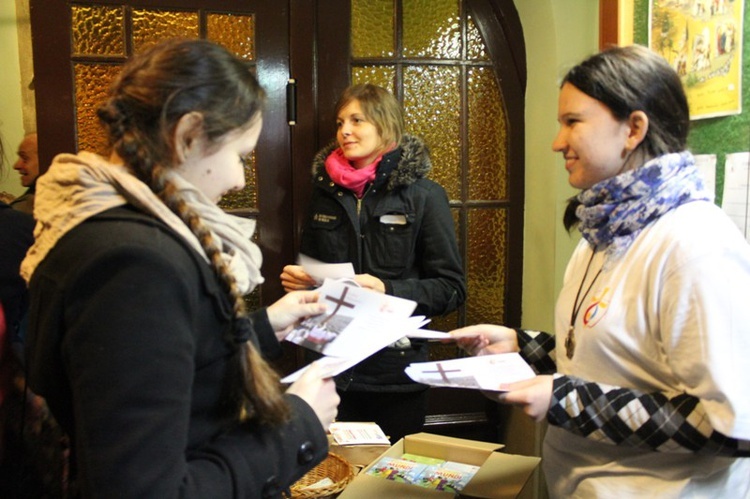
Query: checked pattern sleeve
point(632, 418)
point(538, 350)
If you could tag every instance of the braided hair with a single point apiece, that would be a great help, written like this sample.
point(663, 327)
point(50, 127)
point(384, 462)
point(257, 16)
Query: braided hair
point(155, 89)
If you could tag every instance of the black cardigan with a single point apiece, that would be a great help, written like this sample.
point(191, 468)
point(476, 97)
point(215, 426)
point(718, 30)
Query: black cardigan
point(129, 343)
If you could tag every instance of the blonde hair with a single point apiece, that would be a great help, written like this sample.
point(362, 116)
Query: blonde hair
point(379, 106)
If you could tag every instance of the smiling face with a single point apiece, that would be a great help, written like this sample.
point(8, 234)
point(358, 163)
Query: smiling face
point(592, 141)
point(27, 164)
point(220, 169)
point(357, 136)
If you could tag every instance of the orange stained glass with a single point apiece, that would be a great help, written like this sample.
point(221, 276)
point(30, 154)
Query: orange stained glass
point(486, 278)
point(235, 32)
point(432, 28)
point(247, 198)
point(372, 28)
point(97, 30)
point(475, 47)
point(488, 130)
point(152, 26)
point(92, 83)
point(432, 103)
point(383, 76)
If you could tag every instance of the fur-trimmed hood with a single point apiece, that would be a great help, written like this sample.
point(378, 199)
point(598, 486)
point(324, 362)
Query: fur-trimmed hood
point(413, 161)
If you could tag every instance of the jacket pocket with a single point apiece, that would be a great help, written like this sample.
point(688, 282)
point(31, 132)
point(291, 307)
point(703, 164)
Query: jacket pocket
point(325, 236)
point(394, 240)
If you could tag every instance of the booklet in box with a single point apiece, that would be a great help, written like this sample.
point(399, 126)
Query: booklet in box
point(450, 476)
point(500, 475)
point(397, 470)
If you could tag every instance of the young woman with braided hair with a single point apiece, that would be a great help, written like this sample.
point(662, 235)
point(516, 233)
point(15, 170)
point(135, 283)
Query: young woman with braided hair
point(644, 383)
point(139, 338)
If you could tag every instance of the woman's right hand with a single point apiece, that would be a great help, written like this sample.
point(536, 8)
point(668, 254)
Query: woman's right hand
point(293, 278)
point(319, 393)
point(486, 339)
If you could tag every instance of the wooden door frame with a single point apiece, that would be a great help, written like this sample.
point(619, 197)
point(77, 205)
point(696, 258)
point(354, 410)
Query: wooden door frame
point(55, 104)
point(615, 23)
point(316, 96)
point(498, 21)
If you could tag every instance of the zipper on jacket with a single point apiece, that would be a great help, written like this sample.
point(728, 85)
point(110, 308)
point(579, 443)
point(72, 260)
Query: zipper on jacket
point(360, 246)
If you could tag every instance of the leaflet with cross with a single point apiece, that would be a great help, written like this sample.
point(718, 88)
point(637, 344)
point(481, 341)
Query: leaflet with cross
point(358, 323)
point(484, 372)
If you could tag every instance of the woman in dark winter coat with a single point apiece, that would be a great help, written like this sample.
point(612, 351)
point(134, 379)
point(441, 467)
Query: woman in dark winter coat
point(139, 339)
point(373, 206)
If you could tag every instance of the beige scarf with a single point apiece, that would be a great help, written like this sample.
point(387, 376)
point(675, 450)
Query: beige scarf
point(77, 187)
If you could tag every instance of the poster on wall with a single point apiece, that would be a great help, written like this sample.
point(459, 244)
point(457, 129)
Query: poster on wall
point(702, 40)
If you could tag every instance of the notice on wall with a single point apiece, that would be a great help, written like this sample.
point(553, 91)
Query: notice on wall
point(706, 164)
point(736, 195)
point(702, 40)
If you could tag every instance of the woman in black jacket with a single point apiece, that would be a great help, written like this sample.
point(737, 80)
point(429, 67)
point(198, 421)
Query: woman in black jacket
point(139, 338)
point(373, 206)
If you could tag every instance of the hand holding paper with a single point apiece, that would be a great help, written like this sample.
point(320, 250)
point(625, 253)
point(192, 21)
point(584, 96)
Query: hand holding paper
point(358, 322)
point(321, 271)
point(485, 372)
point(486, 339)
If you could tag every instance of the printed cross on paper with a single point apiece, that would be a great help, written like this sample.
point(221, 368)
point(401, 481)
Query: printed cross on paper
point(442, 371)
point(340, 302)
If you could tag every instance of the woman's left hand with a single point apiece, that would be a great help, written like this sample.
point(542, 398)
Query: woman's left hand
point(533, 395)
point(291, 308)
point(370, 282)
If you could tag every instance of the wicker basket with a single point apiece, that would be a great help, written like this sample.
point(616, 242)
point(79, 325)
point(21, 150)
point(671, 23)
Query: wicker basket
point(334, 467)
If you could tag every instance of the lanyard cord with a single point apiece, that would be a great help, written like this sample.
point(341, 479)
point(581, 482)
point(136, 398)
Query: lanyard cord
point(570, 339)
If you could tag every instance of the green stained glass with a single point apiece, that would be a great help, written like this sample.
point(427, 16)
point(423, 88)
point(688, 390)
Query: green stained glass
point(432, 103)
point(372, 28)
point(488, 130)
point(383, 76)
point(487, 251)
point(432, 28)
point(475, 48)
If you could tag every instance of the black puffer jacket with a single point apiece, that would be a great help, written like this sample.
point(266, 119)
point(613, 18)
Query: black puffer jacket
point(401, 232)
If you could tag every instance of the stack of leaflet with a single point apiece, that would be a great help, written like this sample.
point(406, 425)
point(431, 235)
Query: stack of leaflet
point(357, 323)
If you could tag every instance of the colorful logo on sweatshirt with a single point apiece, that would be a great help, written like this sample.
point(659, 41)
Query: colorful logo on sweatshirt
point(598, 308)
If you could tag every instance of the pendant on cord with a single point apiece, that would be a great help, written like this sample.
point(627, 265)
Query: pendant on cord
point(570, 343)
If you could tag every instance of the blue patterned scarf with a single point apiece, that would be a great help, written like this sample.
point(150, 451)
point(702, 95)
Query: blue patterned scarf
point(615, 210)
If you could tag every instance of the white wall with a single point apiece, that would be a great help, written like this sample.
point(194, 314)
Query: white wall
point(558, 34)
point(11, 106)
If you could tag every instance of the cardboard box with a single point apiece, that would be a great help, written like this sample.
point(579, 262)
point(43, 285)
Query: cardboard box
point(358, 455)
point(500, 475)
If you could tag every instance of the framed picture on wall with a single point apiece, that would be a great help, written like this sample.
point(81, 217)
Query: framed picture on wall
point(702, 39)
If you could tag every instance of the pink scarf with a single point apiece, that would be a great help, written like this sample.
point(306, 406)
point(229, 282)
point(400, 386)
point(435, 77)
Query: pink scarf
point(345, 175)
